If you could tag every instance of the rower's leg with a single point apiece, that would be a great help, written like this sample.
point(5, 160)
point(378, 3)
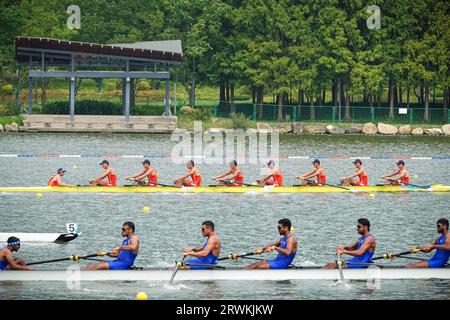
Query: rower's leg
point(330, 265)
point(98, 266)
point(420, 264)
point(346, 182)
point(258, 265)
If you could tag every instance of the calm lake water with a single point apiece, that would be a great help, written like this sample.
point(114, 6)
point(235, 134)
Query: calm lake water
point(243, 221)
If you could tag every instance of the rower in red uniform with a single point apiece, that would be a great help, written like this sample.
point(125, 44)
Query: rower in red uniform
point(109, 173)
point(402, 175)
point(149, 172)
point(55, 181)
point(318, 173)
point(361, 173)
point(274, 178)
point(195, 175)
point(233, 177)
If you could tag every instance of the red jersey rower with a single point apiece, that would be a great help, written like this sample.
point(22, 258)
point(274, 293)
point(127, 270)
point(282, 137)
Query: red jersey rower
point(402, 175)
point(109, 173)
point(55, 181)
point(274, 178)
point(233, 177)
point(361, 173)
point(193, 173)
point(318, 173)
point(149, 172)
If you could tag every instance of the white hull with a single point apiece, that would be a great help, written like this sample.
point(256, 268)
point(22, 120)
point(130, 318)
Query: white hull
point(229, 274)
point(39, 237)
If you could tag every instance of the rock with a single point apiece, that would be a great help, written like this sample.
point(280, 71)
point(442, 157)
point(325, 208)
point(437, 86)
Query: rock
point(297, 127)
point(215, 130)
point(315, 129)
point(263, 126)
point(334, 130)
point(354, 128)
point(369, 128)
point(179, 130)
point(433, 132)
point(264, 131)
point(251, 131)
point(284, 127)
point(11, 128)
point(446, 129)
point(417, 132)
point(404, 129)
point(1, 128)
point(387, 129)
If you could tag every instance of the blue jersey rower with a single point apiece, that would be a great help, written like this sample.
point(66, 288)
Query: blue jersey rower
point(362, 250)
point(125, 254)
point(207, 254)
point(286, 248)
point(441, 245)
point(7, 261)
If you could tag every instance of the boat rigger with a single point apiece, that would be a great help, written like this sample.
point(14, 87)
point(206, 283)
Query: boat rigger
point(228, 189)
point(236, 274)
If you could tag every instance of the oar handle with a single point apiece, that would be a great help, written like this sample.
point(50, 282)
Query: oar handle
point(237, 256)
point(391, 255)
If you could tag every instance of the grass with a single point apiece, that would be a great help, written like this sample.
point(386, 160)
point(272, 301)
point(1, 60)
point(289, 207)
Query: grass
point(8, 120)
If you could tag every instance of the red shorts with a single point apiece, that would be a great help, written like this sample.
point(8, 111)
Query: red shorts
point(107, 184)
point(359, 183)
point(271, 183)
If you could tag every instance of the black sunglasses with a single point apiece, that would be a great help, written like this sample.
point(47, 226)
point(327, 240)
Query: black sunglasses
point(359, 227)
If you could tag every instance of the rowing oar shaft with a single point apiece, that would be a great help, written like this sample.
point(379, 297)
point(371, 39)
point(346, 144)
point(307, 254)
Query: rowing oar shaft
point(71, 258)
point(178, 265)
point(393, 255)
point(327, 184)
point(209, 266)
point(339, 263)
point(407, 183)
point(237, 256)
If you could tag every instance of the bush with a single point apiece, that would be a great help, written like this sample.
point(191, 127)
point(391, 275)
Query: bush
point(110, 86)
point(240, 121)
point(143, 85)
point(9, 109)
point(204, 114)
point(7, 89)
point(85, 107)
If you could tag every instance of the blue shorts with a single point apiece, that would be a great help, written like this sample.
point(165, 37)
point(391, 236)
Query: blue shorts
point(199, 261)
point(277, 264)
point(436, 263)
point(354, 266)
point(118, 265)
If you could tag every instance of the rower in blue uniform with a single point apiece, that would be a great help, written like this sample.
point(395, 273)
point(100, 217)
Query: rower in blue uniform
point(7, 261)
point(125, 254)
point(206, 255)
point(362, 250)
point(441, 245)
point(286, 248)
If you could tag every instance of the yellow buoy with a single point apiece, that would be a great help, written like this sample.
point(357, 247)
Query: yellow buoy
point(146, 209)
point(416, 176)
point(141, 296)
point(39, 195)
point(372, 195)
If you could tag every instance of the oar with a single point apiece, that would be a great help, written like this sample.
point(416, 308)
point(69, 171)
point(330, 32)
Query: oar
point(237, 256)
point(331, 185)
point(407, 183)
point(71, 258)
point(179, 264)
point(393, 255)
point(209, 266)
point(339, 264)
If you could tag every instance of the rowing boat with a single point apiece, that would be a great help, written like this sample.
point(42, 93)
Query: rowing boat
point(306, 273)
point(225, 189)
point(40, 237)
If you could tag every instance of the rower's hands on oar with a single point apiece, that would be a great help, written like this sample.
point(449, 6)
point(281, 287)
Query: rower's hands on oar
point(427, 249)
point(340, 250)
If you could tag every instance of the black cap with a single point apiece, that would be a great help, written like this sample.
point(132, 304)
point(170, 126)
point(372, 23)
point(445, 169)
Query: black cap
point(146, 161)
point(104, 161)
point(316, 161)
point(400, 162)
point(357, 161)
point(60, 170)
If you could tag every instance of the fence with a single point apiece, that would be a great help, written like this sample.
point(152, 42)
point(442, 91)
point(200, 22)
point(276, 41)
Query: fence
point(332, 114)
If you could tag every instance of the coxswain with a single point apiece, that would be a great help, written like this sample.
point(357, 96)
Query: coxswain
point(149, 172)
point(274, 178)
point(192, 172)
point(401, 175)
point(124, 254)
point(286, 248)
point(233, 177)
point(361, 173)
point(318, 173)
point(362, 250)
point(441, 245)
point(206, 255)
point(7, 261)
point(109, 173)
point(55, 181)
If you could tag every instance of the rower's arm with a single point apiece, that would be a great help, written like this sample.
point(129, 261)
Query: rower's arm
point(186, 175)
point(276, 244)
point(355, 174)
point(134, 176)
point(13, 265)
point(133, 245)
point(205, 251)
point(352, 247)
point(223, 174)
point(144, 174)
point(289, 247)
point(231, 175)
point(362, 250)
point(309, 174)
point(445, 246)
point(391, 174)
point(103, 176)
